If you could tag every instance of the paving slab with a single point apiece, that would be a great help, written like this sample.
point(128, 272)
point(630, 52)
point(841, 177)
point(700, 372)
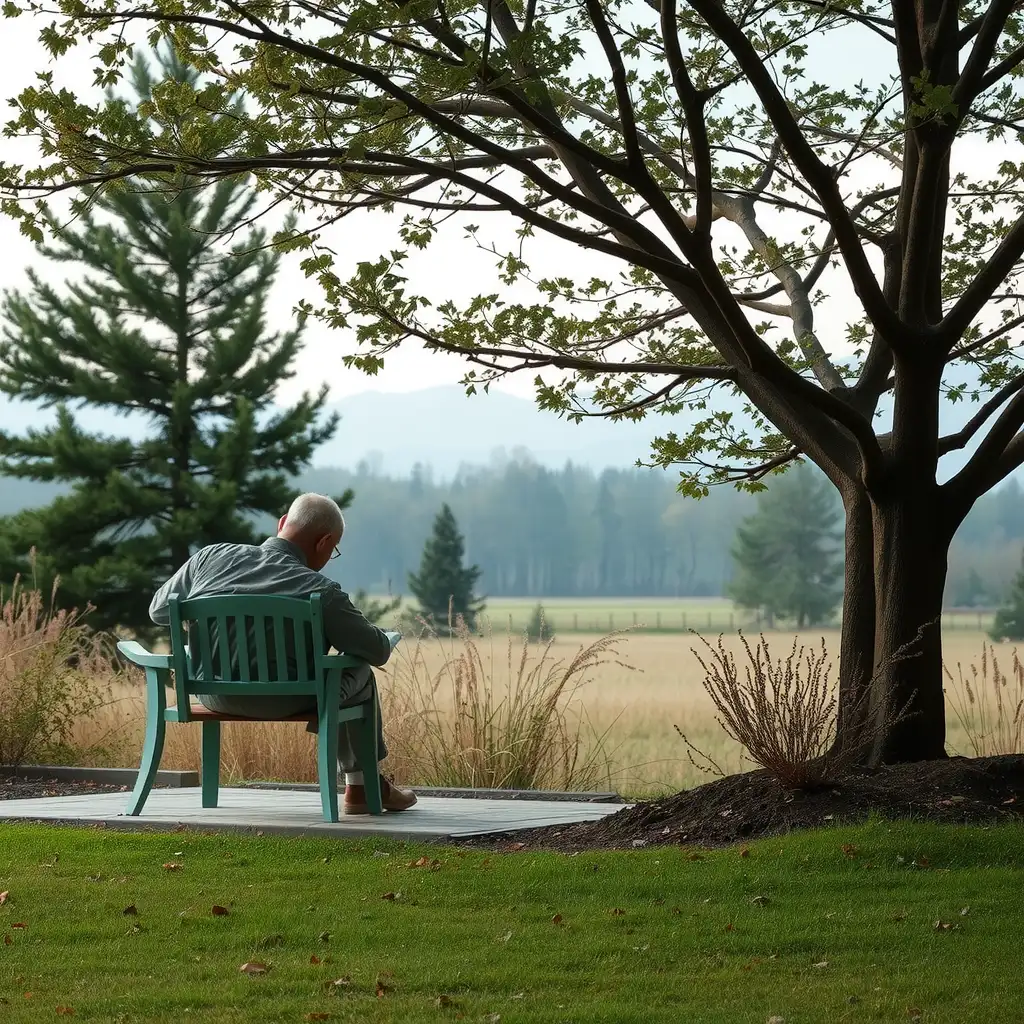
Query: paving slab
point(291, 812)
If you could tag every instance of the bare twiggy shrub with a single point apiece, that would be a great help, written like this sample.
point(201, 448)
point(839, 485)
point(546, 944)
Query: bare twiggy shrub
point(784, 712)
point(496, 714)
point(54, 673)
point(989, 704)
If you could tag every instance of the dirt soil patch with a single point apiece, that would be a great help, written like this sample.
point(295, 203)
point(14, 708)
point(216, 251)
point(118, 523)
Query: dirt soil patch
point(14, 788)
point(744, 807)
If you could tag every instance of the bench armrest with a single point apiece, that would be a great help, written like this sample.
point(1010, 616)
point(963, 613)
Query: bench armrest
point(138, 655)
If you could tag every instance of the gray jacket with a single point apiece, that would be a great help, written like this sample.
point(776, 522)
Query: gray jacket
point(275, 567)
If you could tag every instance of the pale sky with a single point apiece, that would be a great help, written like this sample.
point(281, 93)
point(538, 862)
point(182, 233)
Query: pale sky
point(451, 267)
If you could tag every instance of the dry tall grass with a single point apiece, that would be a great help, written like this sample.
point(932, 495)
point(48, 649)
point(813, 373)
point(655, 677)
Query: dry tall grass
point(623, 715)
point(52, 672)
point(497, 713)
point(989, 707)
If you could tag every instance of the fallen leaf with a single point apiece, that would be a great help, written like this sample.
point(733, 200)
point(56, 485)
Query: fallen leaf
point(65, 1011)
point(317, 1016)
point(131, 910)
point(380, 989)
point(517, 846)
point(617, 912)
point(849, 850)
point(945, 926)
point(3, 898)
point(730, 928)
point(19, 924)
point(922, 862)
point(760, 901)
point(219, 911)
point(557, 919)
point(344, 982)
point(443, 1002)
point(171, 865)
point(744, 852)
point(821, 964)
point(391, 896)
point(421, 863)
point(776, 1020)
point(914, 1013)
point(8, 940)
point(315, 960)
point(254, 967)
point(492, 1018)
point(965, 911)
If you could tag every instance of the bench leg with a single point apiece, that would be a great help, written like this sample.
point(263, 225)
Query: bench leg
point(327, 761)
point(211, 763)
point(367, 754)
point(153, 744)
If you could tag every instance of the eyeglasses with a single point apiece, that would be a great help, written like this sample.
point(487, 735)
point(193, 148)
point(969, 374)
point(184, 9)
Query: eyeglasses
point(337, 553)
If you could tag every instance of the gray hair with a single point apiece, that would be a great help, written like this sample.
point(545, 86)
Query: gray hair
point(315, 515)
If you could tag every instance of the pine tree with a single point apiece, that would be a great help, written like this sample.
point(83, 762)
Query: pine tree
point(788, 555)
point(443, 578)
point(1009, 621)
point(168, 325)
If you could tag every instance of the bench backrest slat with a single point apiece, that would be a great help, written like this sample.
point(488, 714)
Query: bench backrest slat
point(270, 641)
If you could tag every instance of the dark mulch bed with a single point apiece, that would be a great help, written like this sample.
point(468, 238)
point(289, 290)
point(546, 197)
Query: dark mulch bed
point(744, 807)
point(13, 787)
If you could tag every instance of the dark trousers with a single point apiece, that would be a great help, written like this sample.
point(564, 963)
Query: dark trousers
point(357, 685)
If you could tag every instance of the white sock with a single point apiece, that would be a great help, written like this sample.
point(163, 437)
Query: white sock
point(353, 778)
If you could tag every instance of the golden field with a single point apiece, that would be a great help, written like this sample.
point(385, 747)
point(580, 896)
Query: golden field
point(621, 701)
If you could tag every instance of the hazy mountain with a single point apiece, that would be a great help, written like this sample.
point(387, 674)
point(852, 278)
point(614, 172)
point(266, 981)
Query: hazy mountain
point(443, 428)
point(440, 427)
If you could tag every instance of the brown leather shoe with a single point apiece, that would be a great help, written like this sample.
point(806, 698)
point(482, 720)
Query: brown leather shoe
point(392, 798)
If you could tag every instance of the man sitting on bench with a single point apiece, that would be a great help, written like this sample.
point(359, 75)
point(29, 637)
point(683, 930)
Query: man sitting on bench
point(289, 565)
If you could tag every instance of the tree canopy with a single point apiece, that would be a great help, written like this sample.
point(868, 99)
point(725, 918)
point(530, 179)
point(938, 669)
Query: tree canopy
point(725, 179)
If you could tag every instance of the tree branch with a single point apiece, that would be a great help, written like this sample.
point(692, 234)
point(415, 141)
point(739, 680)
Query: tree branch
point(972, 81)
point(809, 164)
point(970, 481)
point(693, 108)
point(953, 442)
point(627, 116)
point(977, 294)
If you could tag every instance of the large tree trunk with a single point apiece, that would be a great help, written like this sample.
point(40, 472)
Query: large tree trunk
point(857, 643)
point(911, 545)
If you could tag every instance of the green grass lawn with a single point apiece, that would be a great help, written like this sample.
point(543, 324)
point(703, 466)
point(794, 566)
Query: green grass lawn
point(797, 928)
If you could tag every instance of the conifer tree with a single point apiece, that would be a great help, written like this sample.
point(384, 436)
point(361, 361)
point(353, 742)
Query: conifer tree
point(169, 325)
point(1009, 622)
point(787, 554)
point(443, 578)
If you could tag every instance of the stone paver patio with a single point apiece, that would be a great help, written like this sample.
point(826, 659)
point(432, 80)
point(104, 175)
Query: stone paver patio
point(291, 812)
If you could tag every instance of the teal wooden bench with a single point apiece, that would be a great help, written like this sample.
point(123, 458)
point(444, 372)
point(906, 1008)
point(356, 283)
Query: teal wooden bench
point(260, 632)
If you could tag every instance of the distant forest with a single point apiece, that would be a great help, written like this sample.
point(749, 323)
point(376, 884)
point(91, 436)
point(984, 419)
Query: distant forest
point(537, 532)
